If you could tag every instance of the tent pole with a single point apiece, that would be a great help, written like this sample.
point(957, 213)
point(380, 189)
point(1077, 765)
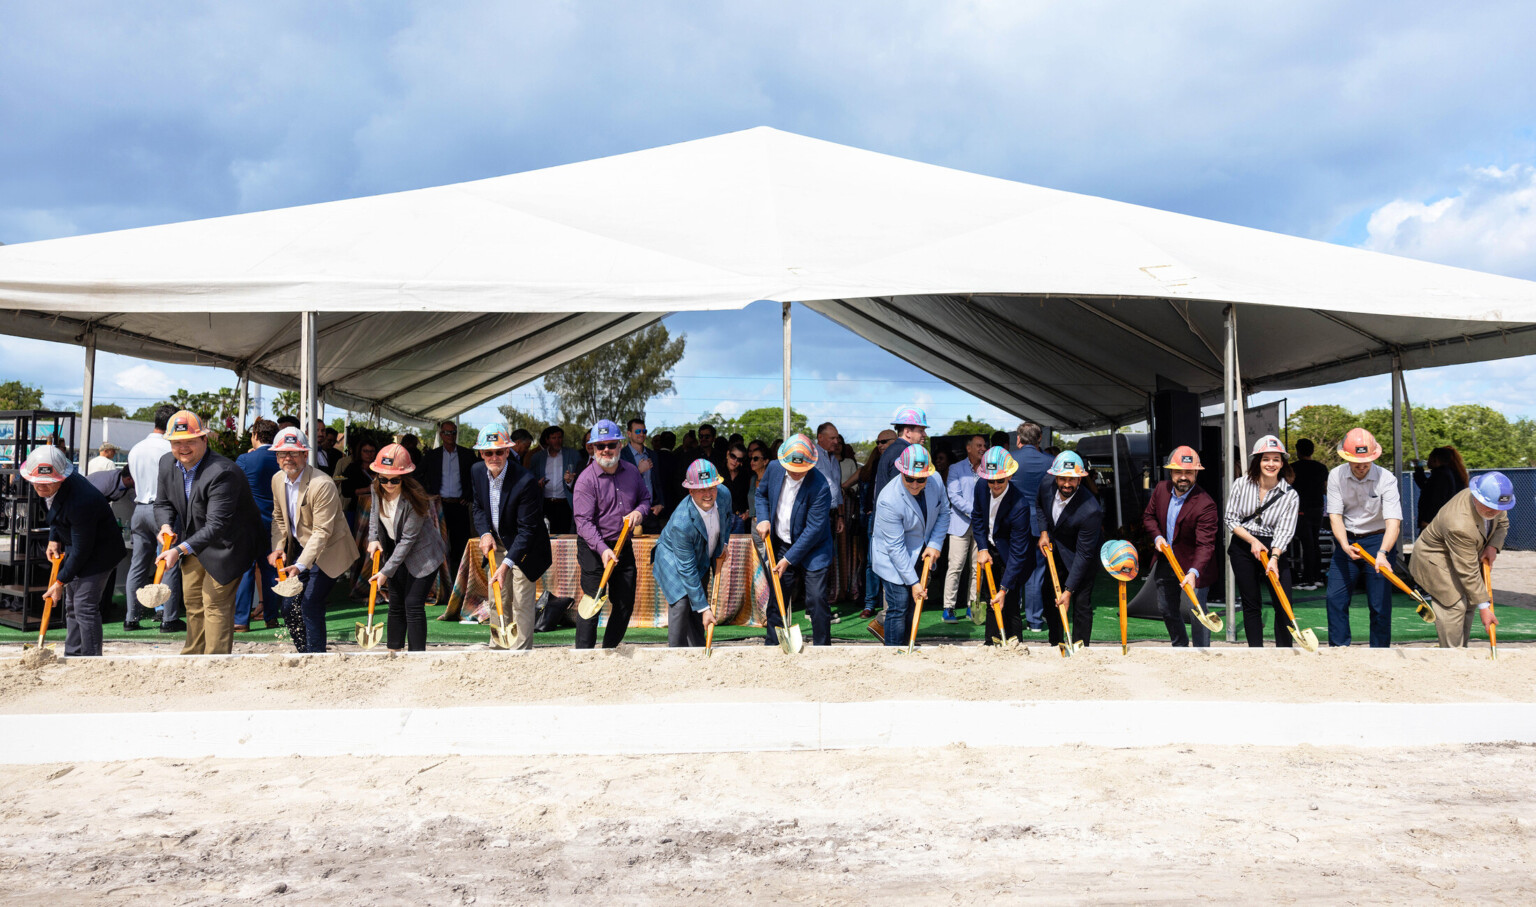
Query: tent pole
point(1228, 436)
point(87, 401)
point(308, 411)
point(787, 349)
point(245, 394)
point(1114, 462)
point(1397, 424)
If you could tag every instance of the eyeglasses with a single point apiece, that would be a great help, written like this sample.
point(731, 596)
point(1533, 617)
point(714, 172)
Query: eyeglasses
point(735, 458)
point(611, 445)
point(756, 458)
point(390, 480)
point(292, 455)
point(448, 431)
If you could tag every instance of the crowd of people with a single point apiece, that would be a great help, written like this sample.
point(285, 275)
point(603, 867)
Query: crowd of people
point(268, 535)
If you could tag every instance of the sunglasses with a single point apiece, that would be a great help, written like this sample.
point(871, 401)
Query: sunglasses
point(449, 431)
point(494, 454)
point(997, 481)
point(735, 458)
point(637, 431)
point(611, 445)
point(911, 481)
point(390, 480)
point(758, 459)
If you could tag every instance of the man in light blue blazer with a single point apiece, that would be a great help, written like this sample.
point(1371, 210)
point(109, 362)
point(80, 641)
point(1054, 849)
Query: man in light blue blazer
point(794, 504)
point(693, 539)
point(911, 520)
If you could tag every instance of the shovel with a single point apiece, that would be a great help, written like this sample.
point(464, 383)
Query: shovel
point(977, 612)
point(591, 604)
point(790, 640)
point(42, 631)
point(501, 635)
point(1305, 636)
point(997, 610)
point(1068, 647)
point(157, 593)
point(1425, 611)
point(1493, 636)
point(714, 595)
point(288, 582)
point(1125, 646)
point(369, 635)
point(917, 615)
point(1211, 621)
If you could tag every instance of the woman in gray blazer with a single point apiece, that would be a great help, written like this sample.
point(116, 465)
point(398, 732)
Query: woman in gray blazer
point(401, 525)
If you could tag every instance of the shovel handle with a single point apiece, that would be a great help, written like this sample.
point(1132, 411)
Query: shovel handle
point(373, 588)
point(53, 577)
point(917, 615)
point(778, 593)
point(1178, 574)
point(1493, 635)
point(1387, 571)
point(997, 609)
point(714, 595)
point(1050, 561)
point(1124, 643)
point(1274, 582)
point(618, 549)
point(494, 589)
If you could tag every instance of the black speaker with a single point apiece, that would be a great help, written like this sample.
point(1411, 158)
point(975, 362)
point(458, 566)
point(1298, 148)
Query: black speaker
point(1175, 422)
point(1211, 479)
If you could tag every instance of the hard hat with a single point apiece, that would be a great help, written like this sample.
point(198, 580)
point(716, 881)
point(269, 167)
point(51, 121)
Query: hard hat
point(46, 465)
point(1119, 558)
point(184, 426)
point(290, 440)
point(702, 474)
point(797, 454)
point(996, 463)
point(493, 437)
point(1183, 457)
point(1269, 444)
point(1491, 489)
point(910, 415)
point(914, 462)
point(604, 431)
point(1068, 463)
point(1359, 446)
point(393, 460)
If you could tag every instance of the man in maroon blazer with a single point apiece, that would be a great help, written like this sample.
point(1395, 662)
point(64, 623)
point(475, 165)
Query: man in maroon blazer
point(1187, 517)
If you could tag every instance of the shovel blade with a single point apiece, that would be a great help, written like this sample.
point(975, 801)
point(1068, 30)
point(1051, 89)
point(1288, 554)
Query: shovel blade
point(501, 639)
point(979, 613)
point(1211, 621)
point(1425, 612)
point(796, 641)
point(1307, 637)
point(368, 637)
point(590, 605)
point(154, 595)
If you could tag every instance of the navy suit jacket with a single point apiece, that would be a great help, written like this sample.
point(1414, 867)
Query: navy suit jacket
point(220, 522)
point(1033, 462)
point(809, 526)
point(1010, 542)
point(430, 472)
point(660, 492)
point(81, 520)
point(523, 533)
point(260, 466)
point(1076, 536)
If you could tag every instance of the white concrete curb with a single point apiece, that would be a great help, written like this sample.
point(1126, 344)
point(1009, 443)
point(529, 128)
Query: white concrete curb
point(748, 727)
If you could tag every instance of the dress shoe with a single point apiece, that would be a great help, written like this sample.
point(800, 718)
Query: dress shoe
point(274, 622)
point(132, 625)
point(175, 626)
point(240, 628)
point(867, 613)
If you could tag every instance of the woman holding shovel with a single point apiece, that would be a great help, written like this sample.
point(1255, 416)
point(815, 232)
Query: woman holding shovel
point(693, 539)
point(400, 526)
point(1261, 513)
point(911, 521)
point(610, 499)
point(82, 528)
point(309, 532)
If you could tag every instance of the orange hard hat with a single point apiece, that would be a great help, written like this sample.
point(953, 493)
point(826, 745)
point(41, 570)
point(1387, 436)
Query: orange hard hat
point(1183, 457)
point(1359, 446)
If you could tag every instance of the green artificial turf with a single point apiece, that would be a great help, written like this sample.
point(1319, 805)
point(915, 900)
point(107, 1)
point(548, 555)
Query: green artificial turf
point(1515, 625)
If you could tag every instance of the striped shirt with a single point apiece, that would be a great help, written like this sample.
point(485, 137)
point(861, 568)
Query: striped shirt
point(1277, 522)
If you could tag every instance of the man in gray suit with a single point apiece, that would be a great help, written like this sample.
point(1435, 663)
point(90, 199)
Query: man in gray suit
point(211, 499)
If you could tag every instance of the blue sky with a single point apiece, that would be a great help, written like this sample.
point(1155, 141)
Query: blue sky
point(1404, 127)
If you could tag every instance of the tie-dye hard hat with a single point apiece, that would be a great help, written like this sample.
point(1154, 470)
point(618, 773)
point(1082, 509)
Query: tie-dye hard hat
point(996, 463)
point(1119, 557)
point(702, 474)
point(1493, 489)
point(914, 462)
point(910, 415)
point(493, 437)
point(798, 454)
point(1068, 463)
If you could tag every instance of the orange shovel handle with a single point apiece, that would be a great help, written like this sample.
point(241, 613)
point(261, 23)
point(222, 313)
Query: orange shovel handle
point(917, 615)
point(1274, 582)
point(373, 588)
point(997, 609)
point(495, 588)
point(1050, 560)
point(778, 592)
point(53, 577)
point(1387, 571)
point(618, 549)
point(1178, 574)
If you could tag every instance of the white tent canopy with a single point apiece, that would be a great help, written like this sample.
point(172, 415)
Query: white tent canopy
point(1057, 306)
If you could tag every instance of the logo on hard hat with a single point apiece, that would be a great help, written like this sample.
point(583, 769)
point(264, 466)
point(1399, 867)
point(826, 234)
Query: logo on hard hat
point(43, 469)
point(181, 425)
point(1362, 449)
point(1506, 498)
point(388, 461)
point(1186, 458)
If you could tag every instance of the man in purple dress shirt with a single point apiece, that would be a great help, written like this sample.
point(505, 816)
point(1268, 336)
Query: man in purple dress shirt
point(606, 492)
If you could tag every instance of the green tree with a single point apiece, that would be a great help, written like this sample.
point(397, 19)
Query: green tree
point(618, 380)
point(1325, 425)
point(514, 418)
point(108, 411)
point(17, 395)
point(969, 426)
point(286, 403)
point(145, 413)
point(764, 423)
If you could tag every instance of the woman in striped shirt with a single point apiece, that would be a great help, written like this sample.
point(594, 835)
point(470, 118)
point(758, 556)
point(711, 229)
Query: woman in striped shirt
point(1261, 512)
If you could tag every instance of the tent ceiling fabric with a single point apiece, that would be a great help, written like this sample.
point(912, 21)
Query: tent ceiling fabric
point(1058, 306)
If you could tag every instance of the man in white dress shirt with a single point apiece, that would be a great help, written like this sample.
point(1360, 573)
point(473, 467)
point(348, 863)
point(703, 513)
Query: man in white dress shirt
point(144, 465)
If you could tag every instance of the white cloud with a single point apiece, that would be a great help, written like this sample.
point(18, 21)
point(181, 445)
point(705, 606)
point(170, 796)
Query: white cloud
point(144, 381)
point(1489, 225)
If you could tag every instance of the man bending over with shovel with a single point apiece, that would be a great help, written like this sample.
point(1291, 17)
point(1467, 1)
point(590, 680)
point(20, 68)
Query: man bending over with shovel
point(693, 539)
point(508, 515)
point(220, 530)
point(1071, 523)
point(1449, 557)
point(608, 492)
point(792, 503)
point(911, 521)
point(310, 535)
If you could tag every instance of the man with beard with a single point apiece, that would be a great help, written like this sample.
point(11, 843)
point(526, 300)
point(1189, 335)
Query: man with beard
point(1184, 515)
point(1070, 523)
point(607, 492)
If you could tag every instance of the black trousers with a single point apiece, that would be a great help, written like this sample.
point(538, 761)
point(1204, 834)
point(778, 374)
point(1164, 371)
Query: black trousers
point(804, 590)
point(456, 520)
point(1013, 619)
point(1080, 611)
point(406, 626)
point(621, 595)
point(1249, 576)
point(1307, 528)
point(558, 512)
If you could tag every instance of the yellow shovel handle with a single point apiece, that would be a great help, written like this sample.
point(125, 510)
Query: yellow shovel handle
point(778, 593)
point(1386, 570)
point(373, 588)
point(1050, 561)
point(618, 549)
point(1274, 582)
point(997, 609)
point(494, 589)
point(918, 614)
point(1123, 642)
point(1493, 635)
point(1178, 574)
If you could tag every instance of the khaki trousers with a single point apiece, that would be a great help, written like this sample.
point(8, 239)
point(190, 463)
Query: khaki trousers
point(523, 611)
point(1454, 622)
point(210, 610)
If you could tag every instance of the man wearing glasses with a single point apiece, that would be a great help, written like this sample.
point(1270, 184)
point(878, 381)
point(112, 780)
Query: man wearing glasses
point(645, 460)
point(911, 424)
point(509, 516)
point(309, 531)
point(911, 520)
point(607, 492)
point(445, 476)
point(1000, 525)
point(791, 503)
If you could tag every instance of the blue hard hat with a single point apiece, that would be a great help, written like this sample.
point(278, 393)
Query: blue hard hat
point(910, 415)
point(1493, 489)
point(605, 430)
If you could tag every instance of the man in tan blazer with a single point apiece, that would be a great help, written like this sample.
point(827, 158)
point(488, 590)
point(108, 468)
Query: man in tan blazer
point(310, 534)
point(1448, 557)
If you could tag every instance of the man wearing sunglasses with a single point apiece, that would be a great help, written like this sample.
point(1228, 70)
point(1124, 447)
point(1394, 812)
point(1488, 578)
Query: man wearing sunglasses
point(911, 521)
point(1071, 522)
point(1000, 525)
point(509, 518)
point(309, 531)
point(607, 492)
point(648, 463)
point(791, 503)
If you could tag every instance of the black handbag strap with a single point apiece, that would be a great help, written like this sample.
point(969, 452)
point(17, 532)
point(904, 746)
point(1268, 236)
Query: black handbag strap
point(1263, 507)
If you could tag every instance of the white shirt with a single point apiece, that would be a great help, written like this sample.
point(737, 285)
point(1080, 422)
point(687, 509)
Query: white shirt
point(1058, 504)
point(451, 487)
point(1366, 504)
point(992, 508)
point(387, 508)
point(829, 470)
point(711, 525)
point(99, 464)
point(144, 466)
point(494, 504)
point(787, 494)
point(554, 474)
point(291, 491)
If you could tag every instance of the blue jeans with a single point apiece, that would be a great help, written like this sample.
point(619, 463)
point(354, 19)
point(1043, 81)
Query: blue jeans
point(308, 608)
point(1343, 574)
point(872, 581)
point(1034, 601)
point(245, 595)
point(898, 613)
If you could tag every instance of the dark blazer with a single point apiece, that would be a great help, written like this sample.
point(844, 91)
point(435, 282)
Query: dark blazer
point(1010, 545)
point(1033, 462)
point(220, 523)
point(430, 473)
point(1076, 536)
point(887, 468)
point(659, 473)
point(81, 520)
point(1194, 535)
point(809, 526)
point(523, 533)
point(260, 466)
point(419, 545)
